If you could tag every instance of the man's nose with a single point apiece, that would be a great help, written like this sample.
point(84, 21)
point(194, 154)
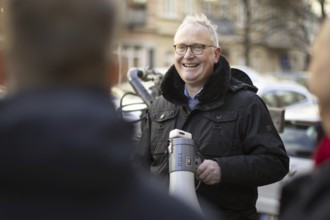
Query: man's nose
point(189, 52)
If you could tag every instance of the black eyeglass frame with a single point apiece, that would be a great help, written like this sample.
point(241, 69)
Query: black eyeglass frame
point(191, 46)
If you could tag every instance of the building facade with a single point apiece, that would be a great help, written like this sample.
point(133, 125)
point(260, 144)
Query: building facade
point(150, 25)
point(276, 41)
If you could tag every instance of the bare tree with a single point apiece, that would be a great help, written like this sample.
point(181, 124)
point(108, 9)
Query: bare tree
point(247, 30)
point(297, 19)
point(283, 24)
point(323, 4)
point(291, 20)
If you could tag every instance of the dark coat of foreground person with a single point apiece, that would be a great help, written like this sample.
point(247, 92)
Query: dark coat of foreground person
point(64, 152)
point(64, 155)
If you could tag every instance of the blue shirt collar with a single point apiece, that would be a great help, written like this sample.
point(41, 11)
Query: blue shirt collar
point(186, 93)
point(192, 101)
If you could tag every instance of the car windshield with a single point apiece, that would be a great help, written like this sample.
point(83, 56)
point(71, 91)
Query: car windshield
point(299, 140)
point(282, 98)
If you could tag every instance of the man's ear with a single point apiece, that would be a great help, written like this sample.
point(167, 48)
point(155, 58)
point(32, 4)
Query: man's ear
point(217, 54)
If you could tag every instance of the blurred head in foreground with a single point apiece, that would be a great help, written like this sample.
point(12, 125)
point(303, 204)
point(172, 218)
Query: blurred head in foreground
point(319, 71)
point(51, 43)
point(64, 152)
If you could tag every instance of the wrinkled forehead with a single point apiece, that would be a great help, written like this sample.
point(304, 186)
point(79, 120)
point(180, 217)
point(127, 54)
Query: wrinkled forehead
point(194, 33)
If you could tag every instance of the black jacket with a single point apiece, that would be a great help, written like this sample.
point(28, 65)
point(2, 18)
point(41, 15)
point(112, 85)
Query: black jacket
point(230, 125)
point(65, 155)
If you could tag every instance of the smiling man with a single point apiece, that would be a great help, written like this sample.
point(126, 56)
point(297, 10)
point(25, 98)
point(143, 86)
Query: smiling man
point(229, 123)
point(195, 65)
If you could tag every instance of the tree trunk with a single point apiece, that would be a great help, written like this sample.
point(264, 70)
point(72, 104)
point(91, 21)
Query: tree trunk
point(322, 6)
point(247, 30)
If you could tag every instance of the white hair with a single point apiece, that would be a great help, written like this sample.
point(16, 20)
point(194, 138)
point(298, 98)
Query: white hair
point(204, 21)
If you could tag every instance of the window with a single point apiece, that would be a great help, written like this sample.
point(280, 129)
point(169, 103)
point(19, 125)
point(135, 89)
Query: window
point(169, 8)
point(189, 6)
point(282, 98)
point(224, 9)
point(136, 55)
point(240, 15)
point(207, 8)
point(290, 97)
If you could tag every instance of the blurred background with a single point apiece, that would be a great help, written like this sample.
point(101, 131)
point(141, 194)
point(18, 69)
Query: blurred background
point(269, 36)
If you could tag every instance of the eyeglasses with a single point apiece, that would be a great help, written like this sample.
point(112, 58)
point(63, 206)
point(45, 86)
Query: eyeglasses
point(196, 49)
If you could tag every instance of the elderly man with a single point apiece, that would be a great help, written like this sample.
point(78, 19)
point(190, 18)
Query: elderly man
point(229, 123)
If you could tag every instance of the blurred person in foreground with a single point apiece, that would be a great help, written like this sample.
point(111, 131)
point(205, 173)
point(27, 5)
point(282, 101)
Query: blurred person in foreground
point(230, 124)
point(308, 197)
point(64, 152)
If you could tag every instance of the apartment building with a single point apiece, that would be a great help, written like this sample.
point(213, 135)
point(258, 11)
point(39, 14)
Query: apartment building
point(147, 39)
point(149, 27)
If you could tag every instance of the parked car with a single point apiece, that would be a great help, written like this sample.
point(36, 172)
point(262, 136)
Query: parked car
point(255, 76)
point(285, 94)
point(279, 93)
point(300, 137)
point(300, 77)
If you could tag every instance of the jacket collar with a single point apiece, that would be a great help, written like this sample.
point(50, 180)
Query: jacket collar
point(216, 87)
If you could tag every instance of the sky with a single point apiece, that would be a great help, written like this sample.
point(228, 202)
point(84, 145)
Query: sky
point(316, 7)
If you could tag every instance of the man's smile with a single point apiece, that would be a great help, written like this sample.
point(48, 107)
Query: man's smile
point(190, 65)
